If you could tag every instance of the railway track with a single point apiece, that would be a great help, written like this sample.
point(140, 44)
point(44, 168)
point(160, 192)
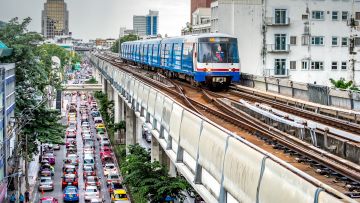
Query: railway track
point(323, 162)
point(321, 118)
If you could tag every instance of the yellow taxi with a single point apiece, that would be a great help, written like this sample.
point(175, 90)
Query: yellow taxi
point(119, 195)
point(100, 125)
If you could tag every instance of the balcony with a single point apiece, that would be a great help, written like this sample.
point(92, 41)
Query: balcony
point(278, 48)
point(272, 21)
point(277, 73)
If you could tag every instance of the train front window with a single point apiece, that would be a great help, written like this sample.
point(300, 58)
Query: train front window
point(218, 50)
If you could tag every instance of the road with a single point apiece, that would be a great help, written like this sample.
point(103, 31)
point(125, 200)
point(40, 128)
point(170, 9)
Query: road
point(60, 156)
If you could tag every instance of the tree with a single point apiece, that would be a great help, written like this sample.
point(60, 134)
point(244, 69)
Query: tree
point(118, 42)
point(33, 75)
point(342, 84)
point(150, 179)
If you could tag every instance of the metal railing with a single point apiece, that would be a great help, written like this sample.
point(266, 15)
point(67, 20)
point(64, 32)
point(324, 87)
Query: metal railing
point(280, 48)
point(272, 21)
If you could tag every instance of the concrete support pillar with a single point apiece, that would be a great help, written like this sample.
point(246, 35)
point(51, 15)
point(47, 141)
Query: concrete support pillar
point(130, 128)
point(110, 91)
point(122, 109)
point(138, 130)
point(104, 85)
point(155, 149)
point(172, 169)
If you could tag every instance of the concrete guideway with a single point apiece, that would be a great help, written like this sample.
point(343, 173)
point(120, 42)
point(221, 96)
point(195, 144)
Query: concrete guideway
point(221, 166)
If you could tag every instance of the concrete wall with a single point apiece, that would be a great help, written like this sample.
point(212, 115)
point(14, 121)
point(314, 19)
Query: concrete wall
point(336, 97)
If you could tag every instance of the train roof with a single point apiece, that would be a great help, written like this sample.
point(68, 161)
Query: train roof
point(192, 37)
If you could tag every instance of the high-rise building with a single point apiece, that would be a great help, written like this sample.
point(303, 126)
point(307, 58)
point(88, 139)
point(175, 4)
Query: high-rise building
point(55, 19)
point(304, 41)
point(146, 25)
point(195, 4)
point(139, 25)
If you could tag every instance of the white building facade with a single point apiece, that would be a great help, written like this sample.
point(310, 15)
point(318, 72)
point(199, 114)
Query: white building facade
point(303, 40)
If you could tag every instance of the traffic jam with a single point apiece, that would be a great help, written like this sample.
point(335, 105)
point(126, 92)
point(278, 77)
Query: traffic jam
point(89, 170)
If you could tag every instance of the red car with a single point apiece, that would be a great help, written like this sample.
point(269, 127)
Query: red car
point(70, 141)
point(106, 150)
point(48, 200)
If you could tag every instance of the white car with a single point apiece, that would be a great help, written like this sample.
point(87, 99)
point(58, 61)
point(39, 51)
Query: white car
point(109, 168)
point(91, 192)
point(85, 124)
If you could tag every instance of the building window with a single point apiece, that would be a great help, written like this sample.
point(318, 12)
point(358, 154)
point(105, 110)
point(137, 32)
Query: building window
point(317, 40)
point(280, 42)
point(344, 41)
point(318, 15)
point(357, 15)
point(293, 40)
point(317, 65)
point(334, 65)
point(343, 65)
point(280, 66)
point(335, 15)
point(305, 16)
point(280, 16)
point(334, 41)
point(357, 41)
point(293, 65)
point(305, 40)
point(304, 65)
point(344, 15)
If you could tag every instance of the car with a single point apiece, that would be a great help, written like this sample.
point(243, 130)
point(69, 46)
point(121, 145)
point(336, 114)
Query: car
point(107, 158)
point(70, 141)
point(72, 159)
point(70, 133)
point(95, 113)
point(89, 161)
point(115, 186)
point(101, 125)
point(104, 139)
point(69, 169)
point(49, 157)
point(119, 195)
point(56, 146)
point(113, 177)
point(85, 124)
point(106, 150)
point(92, 180)
point(46, 170)
point(48, 200)
point(85, 131)
point(104, 144)
point(71, 194)
point(100, 135)
point(87, 137)
point(109, 168)
point(69, 180)
point(46, 184)
point(88, 171)
point(96, 200)
point(88, 151)
point(91, 192)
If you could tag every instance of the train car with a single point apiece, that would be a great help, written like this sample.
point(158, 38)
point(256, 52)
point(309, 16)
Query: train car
point(210, 59)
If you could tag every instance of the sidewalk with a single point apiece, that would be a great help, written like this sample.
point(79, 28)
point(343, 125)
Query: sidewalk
point(33, 174)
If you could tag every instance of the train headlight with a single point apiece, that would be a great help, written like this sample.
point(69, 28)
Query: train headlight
point(207, 69)
point(229, 69)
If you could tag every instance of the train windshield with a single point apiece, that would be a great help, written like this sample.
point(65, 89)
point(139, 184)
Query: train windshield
point(218, 50)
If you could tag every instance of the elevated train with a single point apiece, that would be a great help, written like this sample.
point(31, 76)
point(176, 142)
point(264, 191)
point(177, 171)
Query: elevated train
point(205, 59)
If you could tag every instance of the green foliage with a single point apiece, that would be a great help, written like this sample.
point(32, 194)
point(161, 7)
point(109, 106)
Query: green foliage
point(106, 109)
point(91, 81)
point(342, 84)
point(150, 179)
point(33, 77)
point(118, 42)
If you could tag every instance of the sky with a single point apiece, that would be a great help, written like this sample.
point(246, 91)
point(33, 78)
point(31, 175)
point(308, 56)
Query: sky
point(90, 19)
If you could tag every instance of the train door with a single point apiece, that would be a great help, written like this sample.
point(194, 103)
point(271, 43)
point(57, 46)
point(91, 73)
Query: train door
point(162, 55)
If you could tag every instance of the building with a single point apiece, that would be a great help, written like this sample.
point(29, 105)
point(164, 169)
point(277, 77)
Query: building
point(146, 25)
point(195, 4)
point(305, 41)
point(55, 19)
point(124, 31)
point(200, 22)
point(7, 108)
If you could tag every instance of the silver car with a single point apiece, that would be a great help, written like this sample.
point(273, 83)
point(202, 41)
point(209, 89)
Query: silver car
point(46, 184)
point(91, 192)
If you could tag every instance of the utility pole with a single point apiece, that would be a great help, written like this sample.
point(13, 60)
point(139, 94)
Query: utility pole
point(26, 164)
